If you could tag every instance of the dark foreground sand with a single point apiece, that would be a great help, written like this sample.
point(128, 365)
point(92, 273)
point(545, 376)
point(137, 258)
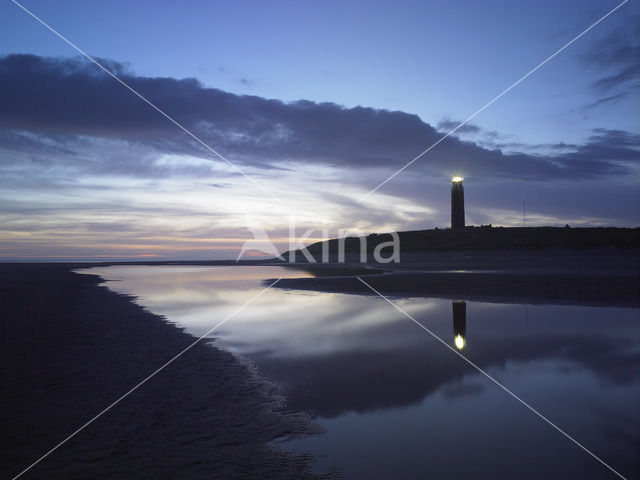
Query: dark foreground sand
point(70, 348)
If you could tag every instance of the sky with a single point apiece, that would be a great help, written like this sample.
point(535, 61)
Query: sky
point(308, 106)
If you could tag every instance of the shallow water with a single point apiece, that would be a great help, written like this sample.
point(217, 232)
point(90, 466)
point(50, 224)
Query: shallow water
point(396, 403)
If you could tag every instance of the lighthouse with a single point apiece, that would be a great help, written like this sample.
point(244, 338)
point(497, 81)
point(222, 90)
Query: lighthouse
point(457, 202)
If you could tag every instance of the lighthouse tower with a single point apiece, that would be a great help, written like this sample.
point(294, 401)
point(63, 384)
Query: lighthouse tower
point(457, 202)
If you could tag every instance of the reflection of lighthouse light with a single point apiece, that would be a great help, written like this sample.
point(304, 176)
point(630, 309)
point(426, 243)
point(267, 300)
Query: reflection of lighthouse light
point(459, 341)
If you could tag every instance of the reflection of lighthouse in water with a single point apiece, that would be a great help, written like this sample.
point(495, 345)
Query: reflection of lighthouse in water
point(459, 323)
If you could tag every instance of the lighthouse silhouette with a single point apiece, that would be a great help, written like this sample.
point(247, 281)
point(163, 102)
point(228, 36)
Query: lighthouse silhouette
point(457, 202)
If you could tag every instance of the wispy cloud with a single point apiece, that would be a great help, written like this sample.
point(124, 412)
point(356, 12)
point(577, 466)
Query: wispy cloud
point(617, 57)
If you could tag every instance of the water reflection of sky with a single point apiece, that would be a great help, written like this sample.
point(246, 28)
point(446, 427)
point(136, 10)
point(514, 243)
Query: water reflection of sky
point(395, 402)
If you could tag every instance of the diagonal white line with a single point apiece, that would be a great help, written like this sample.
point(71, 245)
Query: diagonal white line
point(148, 102)
point(490, 378)
point(142, 382)
point(494, 99)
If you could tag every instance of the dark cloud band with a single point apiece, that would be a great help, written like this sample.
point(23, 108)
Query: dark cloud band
point(67, 98)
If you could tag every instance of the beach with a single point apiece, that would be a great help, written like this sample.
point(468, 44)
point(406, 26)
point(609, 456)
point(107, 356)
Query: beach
point(71, 348)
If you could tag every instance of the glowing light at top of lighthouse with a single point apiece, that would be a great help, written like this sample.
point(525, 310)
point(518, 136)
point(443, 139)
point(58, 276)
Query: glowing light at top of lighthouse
point(457, 178)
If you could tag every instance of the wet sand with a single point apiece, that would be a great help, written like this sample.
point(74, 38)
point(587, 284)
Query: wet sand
point(591, 278)
point(71, 347)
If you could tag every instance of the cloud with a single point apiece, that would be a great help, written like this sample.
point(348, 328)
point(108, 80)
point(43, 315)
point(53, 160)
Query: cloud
point(245, 81)
point(621, 78)
point(620, 47)
point(75, 106)
point(448, 125)
point(617, 55)
point(609, 99)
